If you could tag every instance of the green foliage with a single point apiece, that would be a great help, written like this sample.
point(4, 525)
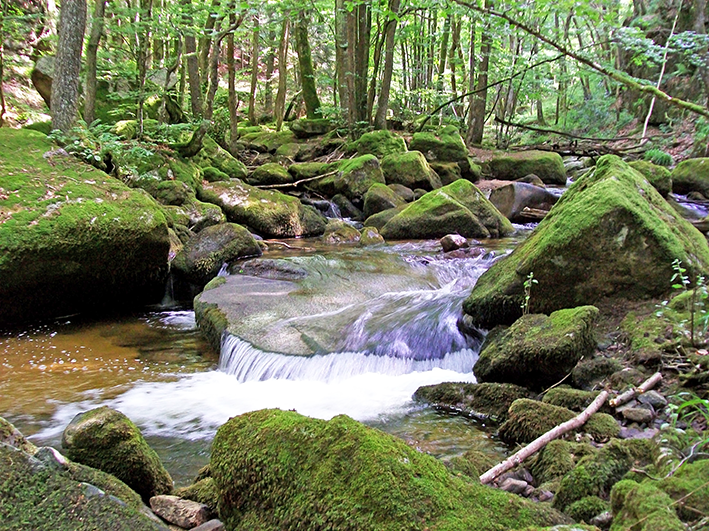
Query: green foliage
point(528, 283)
point(659, 157)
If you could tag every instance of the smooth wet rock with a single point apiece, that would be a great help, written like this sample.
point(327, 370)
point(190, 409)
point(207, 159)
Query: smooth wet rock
point(537, 350)
point(181, 512)
point(512, 199)
point(653, 398)
point(338, 231)
point(407, 194)
point(457, 208)
point(212, 525)
point(609, 224)
point(451, 242)
point(635, 433)
point(638, 414)
point(325, 474)
point(514, 486)
point(106, 439)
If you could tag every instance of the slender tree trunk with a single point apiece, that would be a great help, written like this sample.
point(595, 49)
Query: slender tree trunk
point(205, 42)
point(361, 62)
point(233, 101)
point(305, 61)
point(443, 53)
point(699, 27)
point(192, 64)
point(431, 48)
point(345, 86)
point(270, 64)
point(213, 74)
point(143, 23)
point(280, 105)
point(163, 115)
point(91, 53)
point(453, 61)
point(390, 34)
point(67, 65)
point(254, 71)
point(3, 109)
point(479, 103)
point(372, 91)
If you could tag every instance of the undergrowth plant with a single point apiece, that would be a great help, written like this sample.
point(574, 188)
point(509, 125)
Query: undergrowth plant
point(684, 437)
point(659, 157)
point(528, 283)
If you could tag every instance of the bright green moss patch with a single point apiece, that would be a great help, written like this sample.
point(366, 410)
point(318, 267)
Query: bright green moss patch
point(610, 234)
point(356, 176)
point(573, 399)
point(279, 470)
point(411, 170)
point(557, 459)
point(546, 165)
point(380, 144)
point(586, 508)
point(202, 491)
point(644, 508)
point(691, 175)
point(658, 176)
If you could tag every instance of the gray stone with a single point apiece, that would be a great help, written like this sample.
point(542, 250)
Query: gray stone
point(637, 414)
point(451, 242)
point(515, 486)
point(181, 512)
point(634, 433)
point(212, 525)
point(52, 458)
point(603, 520)
point(653, 398)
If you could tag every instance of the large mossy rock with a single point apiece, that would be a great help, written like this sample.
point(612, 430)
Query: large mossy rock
point(309, 127)
point(269, 213)
point(107, 440)
point(446, 146)
point(280, 470)
point(380, 144)
point(71, 237)
point(379, 198)
point(356, 176)
point(457, 208)
point(213, 155)
point(195, 215)
point(691, 175)
point(270, 173)
point(658, 176)
point(611, 234)
point(643, 507)
point(537, 350)
point(484, 400)
point(265, 141)
point(548, 166)
point(410, 169)
point(43, 494)
point(203, 256)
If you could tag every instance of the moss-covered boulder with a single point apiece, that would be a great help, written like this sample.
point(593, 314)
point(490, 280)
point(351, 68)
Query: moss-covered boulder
point(356, 176)
point(610, 234)
point(382, 218)
point(380, 144)
point(213, 155)
point(573, 399)
point(308, 170)
point(689, 484)
point(203, 256)
point(585, 509)
point(411, 170)
point(643, 507)
point(557, 459)
point(448, 172)
point(658, 176)
point(13, 437)
point(270, 173)
point(309, 127)
point(457, 208)
point(370, 236)
point(529, 419)
point(195, 215)
point(473, 463)
point(106, 439)
point(280, 470)
point(338, 231)
point(484, 400)
point(202, 491)
point(36, 494)
point(446, 146)
point(379, 198)
point(268, 213)
point(266, 141)
point(548, 166)
point(212, 174)
point(537, 350)
point(595, 474)
point(71, 237)
point(691, 175)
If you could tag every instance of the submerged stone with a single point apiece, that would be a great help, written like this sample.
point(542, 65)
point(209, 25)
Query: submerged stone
point(106, 439)
point(537, 350)
point(280, 470)
point(72, 238)
point(457, 208)
point(611, 234)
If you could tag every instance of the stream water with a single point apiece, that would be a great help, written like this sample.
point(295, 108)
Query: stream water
point(157, 369)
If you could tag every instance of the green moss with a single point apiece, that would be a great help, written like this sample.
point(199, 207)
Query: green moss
point(71, 237)
point(211, 320)
point(270, 173)
point(380, 144)
point(268, 141)
point(484, 400)
point(307, 170)
point(459, 208)
point(370, 236)
point(610, 225)
point(410, 169)
point(356, 176)
point(308, 127)
point(338, 231)
point(106, 482)
point(646, 508)
point(658, 176)
point(573, 399)
point(590, 371)
point(382, 218)
point(213, 155)
point(12, 436)
point(619, 492)
point(647, 336)
point(472, 463)
point(379, 198)
point(107, 440)
point(446, 146)
point(538, 350)
point(557, 459)
point(691, 175)
point(448, 172)
point(202, 491)
point(546, 165)
point(689, 484)
point(212, 174)
point(279, 470)
point(34, 496)
point(586, 508)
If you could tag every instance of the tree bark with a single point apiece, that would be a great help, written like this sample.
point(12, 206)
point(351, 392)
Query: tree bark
point(233, 101)
point(443, 53)
point(67, 65)
point(345, 86)
point(280, 104)
point(270, 64)
point(205, 41)
point(545, 439)
point(213, 74)
point(192, 65)
point(91, 53)
point(362, 30)
point(479, 104)
point(254, 71)
point(307, 73)
point(390, 34)
point(143, 19)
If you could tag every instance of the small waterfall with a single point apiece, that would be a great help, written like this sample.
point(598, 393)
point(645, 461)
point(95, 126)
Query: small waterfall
point(240, 359)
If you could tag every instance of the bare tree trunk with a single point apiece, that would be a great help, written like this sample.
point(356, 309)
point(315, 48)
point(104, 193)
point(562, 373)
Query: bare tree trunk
point(343, 45)
point(91, 53)
point(372, 91)
point(254, 71)
point(163, 115)
point(443, 53)
point(213, 72)
point(67, 65)
point(270, 64)
point(3, 109)
point(479, 104)
point(361, 62)
point(192, 65)
point(143, 23)
point(471, 79)
point(390, 34)
point(205, 42)
point(307, 73)
point(233, 102)
point(280, 105)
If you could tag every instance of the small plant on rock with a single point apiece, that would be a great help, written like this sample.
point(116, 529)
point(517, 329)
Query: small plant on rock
point(528, 292)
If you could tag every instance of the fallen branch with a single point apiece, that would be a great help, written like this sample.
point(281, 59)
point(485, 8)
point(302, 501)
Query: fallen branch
point(296, 183)
point(545, 439)
point(631, 393)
